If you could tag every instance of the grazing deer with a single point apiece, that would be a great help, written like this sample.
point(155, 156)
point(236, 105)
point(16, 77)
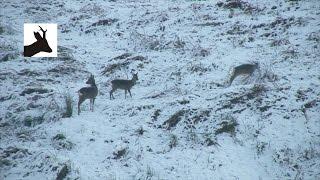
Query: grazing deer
point(88, 93)
point(244, 69)
point(41, 45)
point(123, 84)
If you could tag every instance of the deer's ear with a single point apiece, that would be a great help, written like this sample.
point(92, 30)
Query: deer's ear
point(37, 35)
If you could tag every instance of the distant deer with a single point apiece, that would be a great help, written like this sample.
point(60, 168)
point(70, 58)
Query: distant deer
point(88, 93)
point(244, 69)
point(126, 85)
point(41, 45)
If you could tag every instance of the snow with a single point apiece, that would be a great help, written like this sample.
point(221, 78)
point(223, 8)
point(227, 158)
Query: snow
point(277, 136)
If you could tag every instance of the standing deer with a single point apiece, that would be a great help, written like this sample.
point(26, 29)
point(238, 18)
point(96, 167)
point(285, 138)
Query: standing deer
point(41, 45)
point(244, 69)
point(88, 93)
point(124, 84)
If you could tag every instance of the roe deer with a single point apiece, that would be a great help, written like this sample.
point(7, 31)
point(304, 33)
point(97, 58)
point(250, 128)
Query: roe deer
point(126, 85)
point(243, 69)
point(88, 93)
point(41, 45)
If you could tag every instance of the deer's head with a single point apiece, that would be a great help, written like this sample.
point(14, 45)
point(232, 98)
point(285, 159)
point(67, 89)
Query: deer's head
point(135, 77)
point(42, 42)
point(91, 80)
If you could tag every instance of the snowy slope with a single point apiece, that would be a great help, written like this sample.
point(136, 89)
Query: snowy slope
point(183, 121)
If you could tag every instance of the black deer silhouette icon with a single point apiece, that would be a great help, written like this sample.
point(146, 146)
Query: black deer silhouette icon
point(41, 45)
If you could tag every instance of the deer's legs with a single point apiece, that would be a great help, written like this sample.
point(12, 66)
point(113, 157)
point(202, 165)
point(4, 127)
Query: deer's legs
point(231, 79)
point(81, 99)
point(93, 103)
point(90, 107)
point(250, 75)
point(125, 94)
point(111, 93)
point(130, 93)
point(245, 80)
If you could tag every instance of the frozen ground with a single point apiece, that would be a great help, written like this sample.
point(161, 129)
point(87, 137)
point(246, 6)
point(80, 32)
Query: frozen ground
point(182, 122)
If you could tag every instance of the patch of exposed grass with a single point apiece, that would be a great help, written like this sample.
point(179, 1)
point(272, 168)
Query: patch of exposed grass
point(173, 142)
point(59, 136)
point(69, 106)
point(174, 119)
point(227, 126)
point(155, 115)
point(120, 153)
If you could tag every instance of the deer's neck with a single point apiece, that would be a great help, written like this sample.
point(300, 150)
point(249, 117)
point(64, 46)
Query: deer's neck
point(93, 85)
point(31, 49)
point(133, 81)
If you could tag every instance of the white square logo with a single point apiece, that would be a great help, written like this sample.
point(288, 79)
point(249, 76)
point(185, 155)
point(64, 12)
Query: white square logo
point(40, 40)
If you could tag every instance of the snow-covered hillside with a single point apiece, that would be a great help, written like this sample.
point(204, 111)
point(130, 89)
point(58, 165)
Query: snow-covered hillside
point(183, 121)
